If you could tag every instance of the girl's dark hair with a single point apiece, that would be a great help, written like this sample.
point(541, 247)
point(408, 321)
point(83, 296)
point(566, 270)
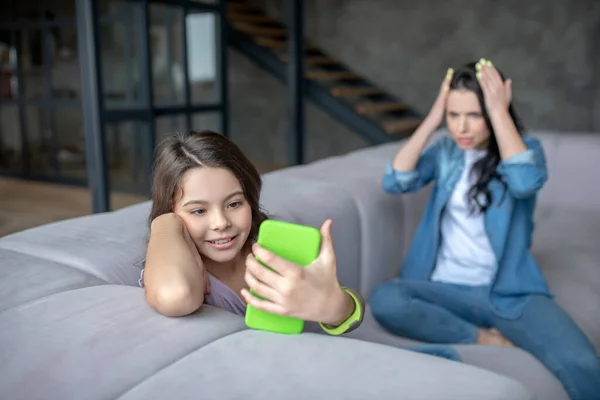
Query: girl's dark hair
point(485, 168)
point(181, 152)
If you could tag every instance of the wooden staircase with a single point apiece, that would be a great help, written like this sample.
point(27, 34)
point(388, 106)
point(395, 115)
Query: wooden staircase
point(351, 98)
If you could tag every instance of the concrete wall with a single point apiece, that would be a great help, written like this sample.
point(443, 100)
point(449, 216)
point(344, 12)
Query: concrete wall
point(550, 49)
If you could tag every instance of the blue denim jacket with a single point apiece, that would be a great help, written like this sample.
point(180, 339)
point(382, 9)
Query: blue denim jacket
point(508, 222)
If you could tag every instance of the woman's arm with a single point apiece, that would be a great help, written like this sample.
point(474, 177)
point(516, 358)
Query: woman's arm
point(412, 169)
point(525, 173)
point(408, 156)
point(523, 164)
point(508, 137)
point(498, 96)
point(174, 274)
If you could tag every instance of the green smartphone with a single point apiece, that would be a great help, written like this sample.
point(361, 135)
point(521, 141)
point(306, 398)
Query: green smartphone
point(299, 244)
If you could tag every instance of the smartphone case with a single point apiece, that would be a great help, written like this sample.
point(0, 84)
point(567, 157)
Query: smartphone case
point(299, 244)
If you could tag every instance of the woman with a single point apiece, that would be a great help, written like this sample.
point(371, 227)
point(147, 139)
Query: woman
point(469, 276)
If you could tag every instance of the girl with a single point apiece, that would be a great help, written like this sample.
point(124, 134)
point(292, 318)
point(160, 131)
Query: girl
point(469, 276)
point(203, 226)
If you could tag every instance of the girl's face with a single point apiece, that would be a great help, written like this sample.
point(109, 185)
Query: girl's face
point(215, 212)
point(465, 120)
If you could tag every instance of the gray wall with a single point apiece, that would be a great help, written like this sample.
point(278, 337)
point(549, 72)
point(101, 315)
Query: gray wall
point(550, 49)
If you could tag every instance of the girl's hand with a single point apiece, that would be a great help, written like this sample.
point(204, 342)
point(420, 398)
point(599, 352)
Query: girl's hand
point(436, 114)
point(497, 93)
point(311, 293)
point(194, 250)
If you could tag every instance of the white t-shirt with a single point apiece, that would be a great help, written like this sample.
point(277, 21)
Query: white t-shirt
point(465, 256)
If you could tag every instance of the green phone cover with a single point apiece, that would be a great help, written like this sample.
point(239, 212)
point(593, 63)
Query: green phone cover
point(299, 244)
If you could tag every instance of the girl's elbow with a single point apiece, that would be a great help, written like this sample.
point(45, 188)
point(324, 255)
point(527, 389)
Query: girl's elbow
point(174, 300)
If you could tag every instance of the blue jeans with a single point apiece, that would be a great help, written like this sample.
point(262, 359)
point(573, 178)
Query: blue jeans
point(445, 313)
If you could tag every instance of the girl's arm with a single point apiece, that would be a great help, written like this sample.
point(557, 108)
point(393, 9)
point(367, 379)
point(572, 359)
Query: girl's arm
point(174, 273)
point(311, 293)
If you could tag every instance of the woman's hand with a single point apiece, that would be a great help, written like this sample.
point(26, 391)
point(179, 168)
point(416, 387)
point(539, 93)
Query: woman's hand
point(436, 114)
point(311, 293)
point(198, 259)
point(497, 93)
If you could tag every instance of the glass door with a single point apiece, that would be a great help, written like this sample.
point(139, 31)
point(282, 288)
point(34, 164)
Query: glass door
point(149, 68)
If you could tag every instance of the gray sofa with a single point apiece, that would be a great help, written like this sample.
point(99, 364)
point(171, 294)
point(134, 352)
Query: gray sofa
point(74, 324)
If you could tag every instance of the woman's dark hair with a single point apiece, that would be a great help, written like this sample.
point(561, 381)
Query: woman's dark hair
point(485, 168)
point(181, 152)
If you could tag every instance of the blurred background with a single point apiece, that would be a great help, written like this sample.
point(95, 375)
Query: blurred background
point(87, 87)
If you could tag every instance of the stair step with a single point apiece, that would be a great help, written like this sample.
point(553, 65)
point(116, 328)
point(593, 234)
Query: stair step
point(332, 75)
point(401, 125)
point(253, 29)
point(268, 32)
point(240, 17)
point(347, 91)
point(277, 44)
point(364, 109)
point(241, 6)
point(319, 60)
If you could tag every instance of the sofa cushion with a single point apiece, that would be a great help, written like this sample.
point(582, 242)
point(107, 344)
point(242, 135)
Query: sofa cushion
point(573, 165)
point(511, 362)
point(565, 245)
point(25, 278)
point(311, 203)
point(105, 342)
point(310, 366)
point(96, 343)
point(382, 239)
point(107, 246)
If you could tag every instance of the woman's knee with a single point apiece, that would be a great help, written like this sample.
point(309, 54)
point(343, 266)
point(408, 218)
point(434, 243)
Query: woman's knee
point(388, 300)
point(580, 373)
point(584, 365)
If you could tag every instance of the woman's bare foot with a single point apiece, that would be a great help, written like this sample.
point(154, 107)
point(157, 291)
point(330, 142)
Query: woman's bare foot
point(493, 337)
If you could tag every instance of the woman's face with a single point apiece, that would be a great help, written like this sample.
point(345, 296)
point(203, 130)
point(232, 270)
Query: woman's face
point(465, 120)
point(215, 212)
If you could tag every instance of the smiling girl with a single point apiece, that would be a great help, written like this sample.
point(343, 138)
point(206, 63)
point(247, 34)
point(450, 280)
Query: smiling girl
point(203, 227)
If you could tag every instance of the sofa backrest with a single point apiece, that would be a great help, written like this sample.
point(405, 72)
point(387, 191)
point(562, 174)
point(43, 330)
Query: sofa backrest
point(372, 230)
point(387, 223)
point(573, 161)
